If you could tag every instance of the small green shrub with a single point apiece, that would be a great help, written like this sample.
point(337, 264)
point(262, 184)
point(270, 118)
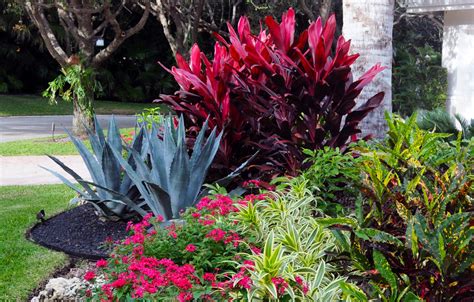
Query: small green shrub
point(331, 176)
point(150, 116)
point(442, 122)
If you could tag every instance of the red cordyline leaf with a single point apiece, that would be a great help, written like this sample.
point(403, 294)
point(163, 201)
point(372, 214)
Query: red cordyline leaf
point(195, 60)
point(283, 33)
point(369, 76)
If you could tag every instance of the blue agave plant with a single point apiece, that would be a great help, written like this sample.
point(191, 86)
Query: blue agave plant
point(168, 178)
point(110, 192)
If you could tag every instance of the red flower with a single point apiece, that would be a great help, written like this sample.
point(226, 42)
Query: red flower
point(191, 248)
point(173, 234)
point(209, 277)
point(89, 276)
point(185, 296)
point(216, 234)
point(120, 282)
point(101, 263)
point(280, 284)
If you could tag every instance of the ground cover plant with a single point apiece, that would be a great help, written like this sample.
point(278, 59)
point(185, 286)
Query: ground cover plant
point(274, 91)
point(24, 264)
point(18, 105)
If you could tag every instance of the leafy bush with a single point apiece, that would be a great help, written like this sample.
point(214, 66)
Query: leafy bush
point(332, 177)
point(150, 116)
point(296, 262)
point(109, 192)
point(414, 220)
point(273, 91)
point(419, 81)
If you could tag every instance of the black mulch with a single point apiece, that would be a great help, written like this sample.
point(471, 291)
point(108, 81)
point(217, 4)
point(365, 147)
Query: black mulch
point(78, 232)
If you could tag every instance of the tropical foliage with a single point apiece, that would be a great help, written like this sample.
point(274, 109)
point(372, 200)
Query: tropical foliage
point(440, 120)
point(414, 216)
point(273, 91)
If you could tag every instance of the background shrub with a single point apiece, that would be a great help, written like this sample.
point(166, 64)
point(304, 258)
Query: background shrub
point(419, 80)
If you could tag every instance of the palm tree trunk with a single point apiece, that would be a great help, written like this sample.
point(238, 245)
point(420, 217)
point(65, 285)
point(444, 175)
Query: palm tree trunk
point(369, 24)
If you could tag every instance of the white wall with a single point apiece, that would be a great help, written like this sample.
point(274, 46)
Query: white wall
point(458, 58)
point(420, 6)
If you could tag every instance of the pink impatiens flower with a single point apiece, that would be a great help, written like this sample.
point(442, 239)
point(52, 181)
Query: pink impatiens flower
point(89, 276)
point(190, 248)
point(101, 263)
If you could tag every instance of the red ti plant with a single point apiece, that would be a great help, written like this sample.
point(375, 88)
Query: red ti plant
point(276, 92)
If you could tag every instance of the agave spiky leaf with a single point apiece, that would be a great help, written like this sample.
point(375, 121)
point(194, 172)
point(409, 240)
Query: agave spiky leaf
point(169, 179)
point(109, 192)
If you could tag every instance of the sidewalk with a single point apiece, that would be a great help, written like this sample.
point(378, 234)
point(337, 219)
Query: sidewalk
point(25, 170)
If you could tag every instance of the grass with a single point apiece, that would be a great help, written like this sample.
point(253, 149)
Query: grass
point(39, 146)
point(24, 264)
point(18, 105)
point(44, 145)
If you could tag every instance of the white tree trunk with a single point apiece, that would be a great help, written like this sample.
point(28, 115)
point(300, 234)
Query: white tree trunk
point(369, 24)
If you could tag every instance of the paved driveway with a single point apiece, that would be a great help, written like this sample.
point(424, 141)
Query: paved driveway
point(24, 127)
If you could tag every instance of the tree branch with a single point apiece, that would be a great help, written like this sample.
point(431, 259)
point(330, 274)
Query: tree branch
point(120, 36)
point(36, 13)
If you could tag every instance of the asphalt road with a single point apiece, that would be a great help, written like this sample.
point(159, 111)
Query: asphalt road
point(25, 127)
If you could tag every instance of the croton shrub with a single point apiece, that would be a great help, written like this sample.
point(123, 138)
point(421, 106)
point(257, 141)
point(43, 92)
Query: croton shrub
point(274, 91)
point(411, 227)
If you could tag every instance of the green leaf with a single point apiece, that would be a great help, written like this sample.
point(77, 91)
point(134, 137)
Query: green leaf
point(320, 272)
point(353, 291)
point(383, 267)
point(326, 222)
point(377, 236)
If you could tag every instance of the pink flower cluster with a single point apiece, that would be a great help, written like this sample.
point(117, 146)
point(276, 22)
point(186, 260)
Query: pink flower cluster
point(142, 276)
point(148, 275)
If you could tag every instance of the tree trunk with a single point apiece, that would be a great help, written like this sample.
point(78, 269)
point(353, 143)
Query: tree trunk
point(369, 24)
point(83, 113)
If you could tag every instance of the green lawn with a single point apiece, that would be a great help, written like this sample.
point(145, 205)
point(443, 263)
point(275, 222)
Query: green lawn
point(24, 264)
point(45, 145)
point(39, 146)
point(17, 105)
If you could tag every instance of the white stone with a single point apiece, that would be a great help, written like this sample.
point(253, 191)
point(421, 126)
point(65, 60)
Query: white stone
point(60, 289)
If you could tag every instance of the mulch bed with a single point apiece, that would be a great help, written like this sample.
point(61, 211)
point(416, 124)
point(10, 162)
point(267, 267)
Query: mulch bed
point(78, 232)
